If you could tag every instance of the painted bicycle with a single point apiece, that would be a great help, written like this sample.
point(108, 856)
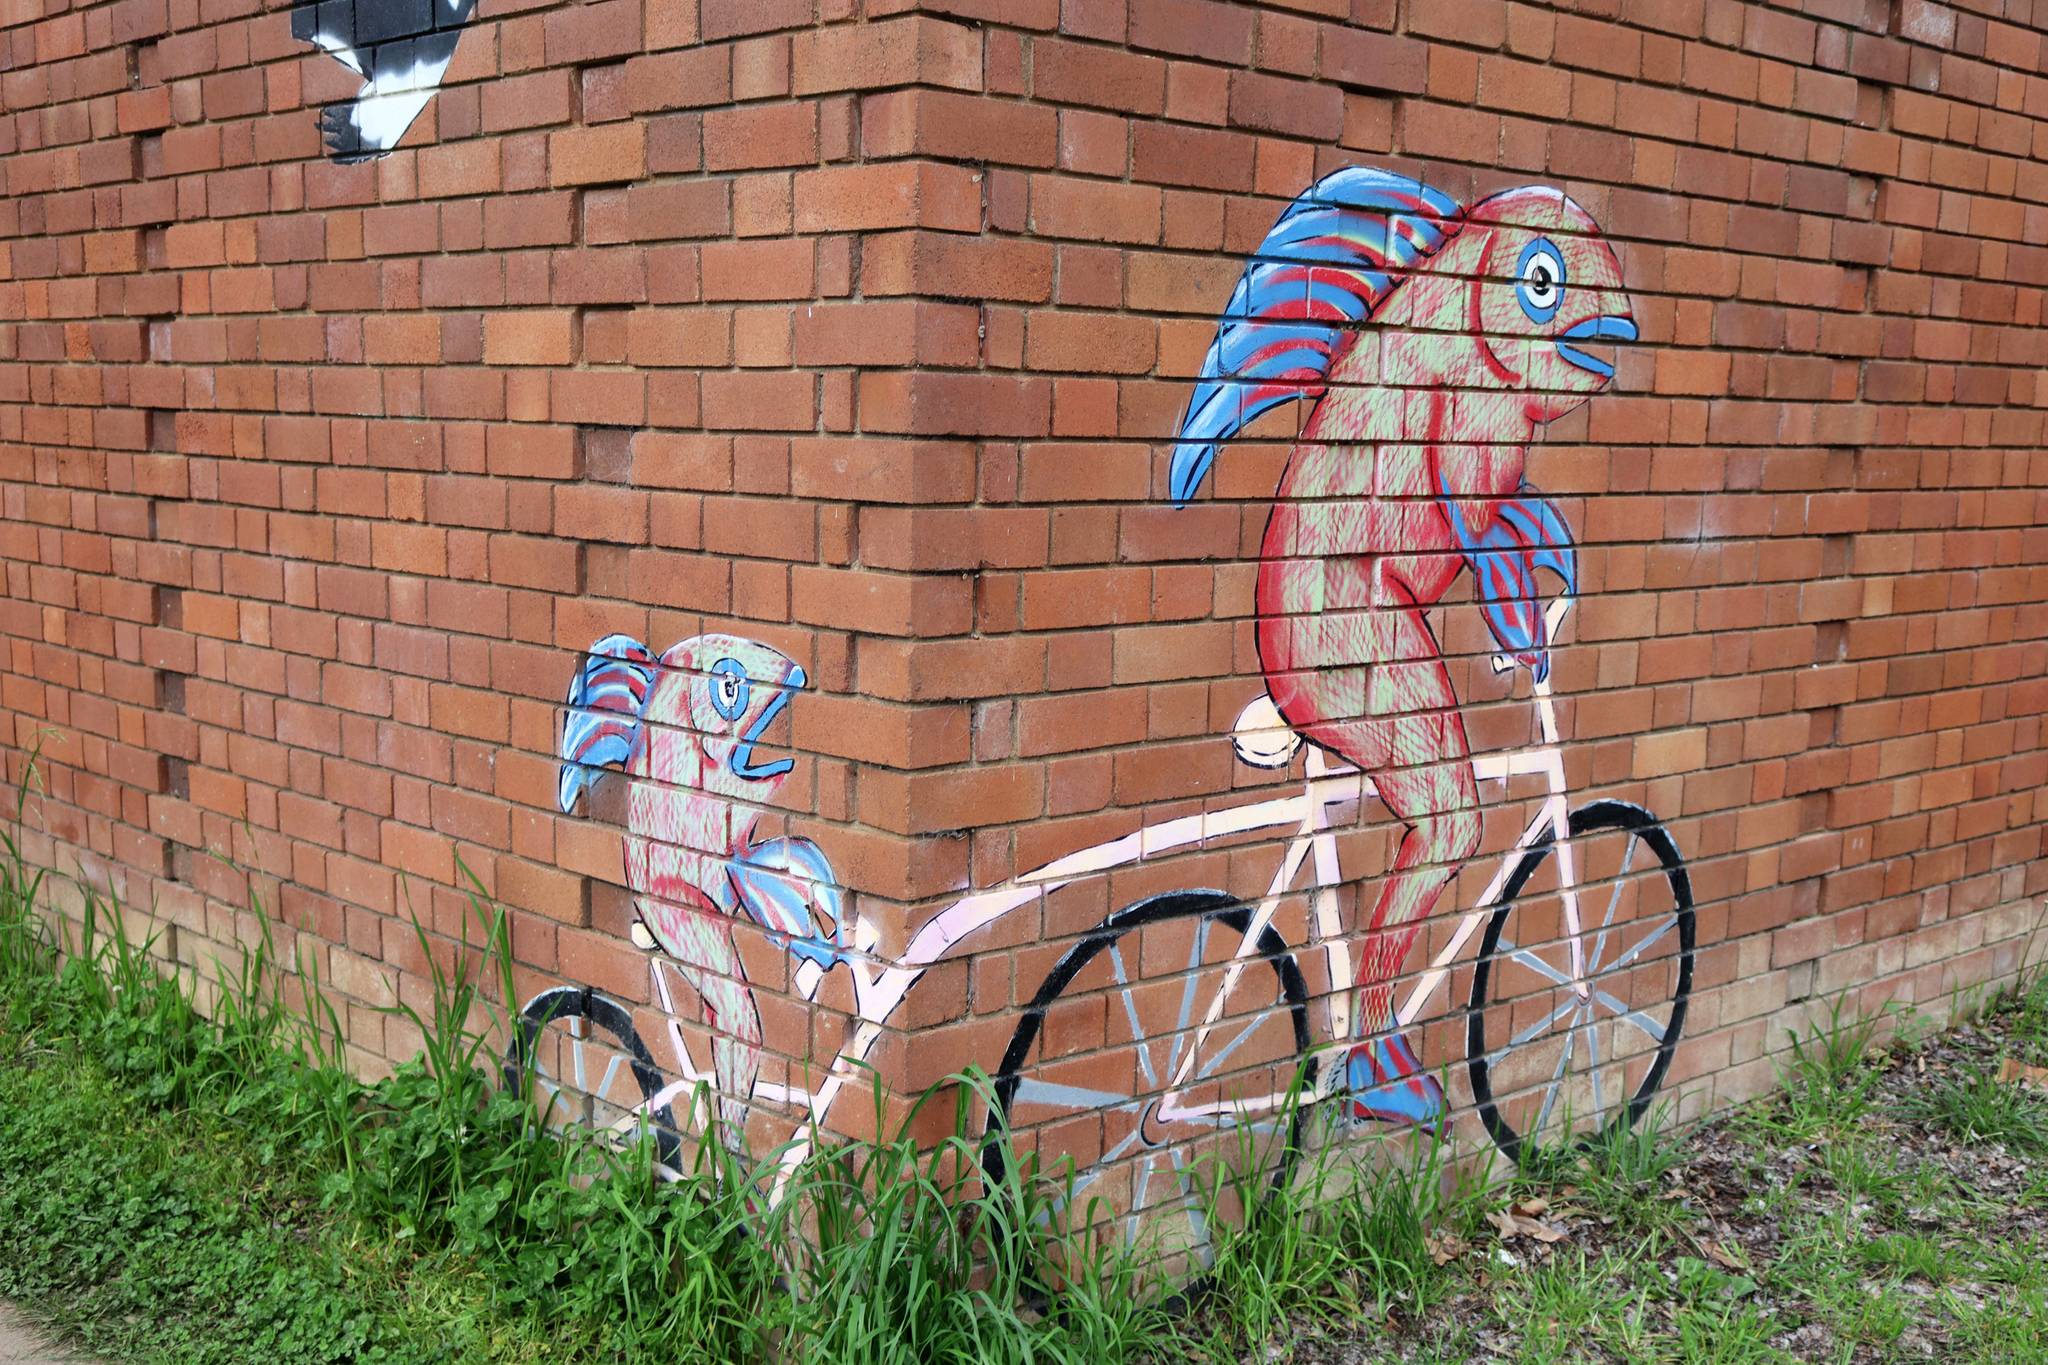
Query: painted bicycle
point(1185, 1027)
point(1198, 1023)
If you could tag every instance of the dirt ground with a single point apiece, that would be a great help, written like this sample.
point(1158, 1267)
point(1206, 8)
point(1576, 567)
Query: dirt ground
point(22, 1344)
point(1890, 1205)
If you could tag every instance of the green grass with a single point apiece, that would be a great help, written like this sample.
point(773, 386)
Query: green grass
point(1345, 1242)
point(1827, 1079)
point(1981, 1108)
point(120, 1233)
point(195, 1189)
point(182, 1188)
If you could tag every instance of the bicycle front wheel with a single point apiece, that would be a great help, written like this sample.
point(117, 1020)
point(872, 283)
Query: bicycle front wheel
point(1561, 1053)
point(1175, 1131)
point(589, 1070)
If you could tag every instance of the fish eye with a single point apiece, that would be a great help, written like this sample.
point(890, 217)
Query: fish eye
point(729, 688)
point(1540, 280)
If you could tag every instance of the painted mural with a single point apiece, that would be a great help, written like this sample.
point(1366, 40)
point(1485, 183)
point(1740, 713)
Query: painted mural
point(686, 728)
point(1432, 342)
point(400, 49)
point(1408, 471)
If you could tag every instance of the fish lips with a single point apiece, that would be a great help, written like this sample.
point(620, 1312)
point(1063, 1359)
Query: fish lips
point(1610, 327)
point(742, 762)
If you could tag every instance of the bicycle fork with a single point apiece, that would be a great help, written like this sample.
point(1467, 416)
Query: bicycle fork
point(1315, 837)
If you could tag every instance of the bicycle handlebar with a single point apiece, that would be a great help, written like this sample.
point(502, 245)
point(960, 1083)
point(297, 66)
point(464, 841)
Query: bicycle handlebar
point(1553, 618)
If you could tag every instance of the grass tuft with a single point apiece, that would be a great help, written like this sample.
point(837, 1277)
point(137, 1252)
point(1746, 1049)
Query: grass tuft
point(188, 1186)
point(1979, 1107)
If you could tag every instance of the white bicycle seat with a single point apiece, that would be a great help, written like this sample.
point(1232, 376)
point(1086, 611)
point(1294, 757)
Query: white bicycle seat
point(1262, 736)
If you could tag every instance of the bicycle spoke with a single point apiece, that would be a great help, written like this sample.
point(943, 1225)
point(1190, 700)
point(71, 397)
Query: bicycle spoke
point(554, 1093)
point(1664, 927)
point(1593, 1070)
point(611, 1073)
point(1628, 857)
point(1073, 1199)
point(1214, 1052)
point(1198, 1222)
point(1528, 1035)
point(585, 1077)
point(1124, 1144)
point(1532, 962)
point(1138, 1199)
point(1187, 995)
point(1230, 1118)
point(625, 1130)
point(1083, 1182)
point(1232, 1046)
point(1564, 1060)
point(1116, 958)
point(1075, 1097)
point(1642, 1021)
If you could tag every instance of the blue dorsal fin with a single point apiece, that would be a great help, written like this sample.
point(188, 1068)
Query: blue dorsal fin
point(1329, 263)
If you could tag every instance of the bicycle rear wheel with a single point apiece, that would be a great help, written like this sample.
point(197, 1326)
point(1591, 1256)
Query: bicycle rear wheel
point(1089, 1075)
point(590, 1071)
point(1553, 1067)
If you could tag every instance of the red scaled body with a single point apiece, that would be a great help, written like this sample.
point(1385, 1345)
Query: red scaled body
point(1432, 339)
point(686, 728)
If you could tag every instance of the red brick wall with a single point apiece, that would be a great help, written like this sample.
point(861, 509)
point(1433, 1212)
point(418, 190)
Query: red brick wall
point(862, 329)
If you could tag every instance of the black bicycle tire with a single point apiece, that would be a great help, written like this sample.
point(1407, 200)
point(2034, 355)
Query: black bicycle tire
point(572, 1002)
point(1228, 909)
point(1593, 816)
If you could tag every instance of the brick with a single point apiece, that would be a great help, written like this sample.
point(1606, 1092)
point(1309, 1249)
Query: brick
point(1169, 154)
point(1207, 29)
point(1375, 61)
point(1076, 73)
point(1278, 105)
point(779, 269)
point(530, 338)
point(941, 124)
point(587, 156)
point(908, 194)
point(1095, 210)
point(598, 397)
point(913, 50)
point(956, 267)
point(757, 136)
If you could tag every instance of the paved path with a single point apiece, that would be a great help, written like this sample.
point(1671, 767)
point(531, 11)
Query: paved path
point(21, 1344)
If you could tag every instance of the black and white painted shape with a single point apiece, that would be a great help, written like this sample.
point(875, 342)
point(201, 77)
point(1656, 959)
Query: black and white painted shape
point(401, 49)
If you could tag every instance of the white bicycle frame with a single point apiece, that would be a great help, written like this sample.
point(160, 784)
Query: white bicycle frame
point(880, 988)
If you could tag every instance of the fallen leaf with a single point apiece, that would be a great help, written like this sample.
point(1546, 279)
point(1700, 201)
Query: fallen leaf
point(1532, 1207)
point(1721, 1256)
point(1512, 1224)
point(2017, 1070)
point(1445, 1246)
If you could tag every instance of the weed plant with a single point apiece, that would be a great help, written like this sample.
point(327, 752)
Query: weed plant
point(217, 1186)
point(1345, 1240)
point(1979, 1107)
point(879, 1253)
point(248, 1157)
point(1827, 1083)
